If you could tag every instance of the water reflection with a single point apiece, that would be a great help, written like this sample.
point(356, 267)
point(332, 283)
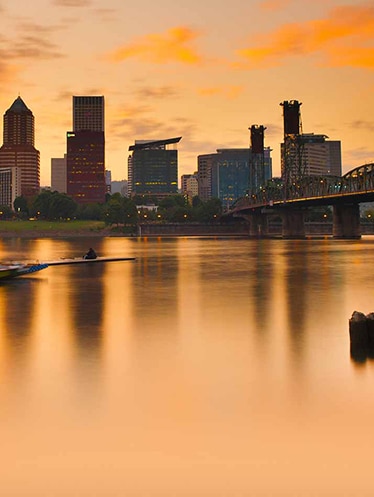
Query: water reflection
point(205, 367)
point(17, 313)
point(262, 289)
point(86, 298)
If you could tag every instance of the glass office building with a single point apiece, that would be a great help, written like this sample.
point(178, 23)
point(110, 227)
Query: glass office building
point(153, 168)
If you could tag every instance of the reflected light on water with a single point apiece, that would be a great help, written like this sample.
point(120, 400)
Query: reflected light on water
point(207, 367)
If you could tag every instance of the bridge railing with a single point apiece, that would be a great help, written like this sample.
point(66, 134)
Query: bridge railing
point(360, 179)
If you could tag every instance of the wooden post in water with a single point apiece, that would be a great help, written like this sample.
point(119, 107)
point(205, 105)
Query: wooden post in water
point(358, 331)
point(370, 328)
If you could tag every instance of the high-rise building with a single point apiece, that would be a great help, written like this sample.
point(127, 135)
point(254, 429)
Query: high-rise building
point(6, 197)
point(88, 113)
point(120, 187)
point(226, 174)
point(18, 152)
point(153, 168)
point(108, 181)
point(58, 174)
point(85, 166)
point(204, 175)
point(319, 156)
point(189, 186)
point(85, 158)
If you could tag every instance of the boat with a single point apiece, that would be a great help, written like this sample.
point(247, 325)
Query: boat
point(16, 269)
point(9, 271)
point(82, 260)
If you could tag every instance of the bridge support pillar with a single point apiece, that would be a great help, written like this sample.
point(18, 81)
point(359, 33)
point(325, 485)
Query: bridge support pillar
point(346, 221)
point(258, 224)
point(293, 224)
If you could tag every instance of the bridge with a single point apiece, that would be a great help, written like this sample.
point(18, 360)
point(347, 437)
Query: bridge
point(291, 201)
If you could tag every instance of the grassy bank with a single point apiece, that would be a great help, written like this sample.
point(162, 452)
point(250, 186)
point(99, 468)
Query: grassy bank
point(51, 227)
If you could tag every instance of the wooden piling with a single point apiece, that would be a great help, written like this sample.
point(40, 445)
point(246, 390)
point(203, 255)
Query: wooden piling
point(370, 328)
point(358, 330)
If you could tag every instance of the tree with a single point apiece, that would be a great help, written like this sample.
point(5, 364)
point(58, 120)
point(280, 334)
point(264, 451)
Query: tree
point(53, 205)
point(120, 210)
point(40, 206)
point(92, 212)
point(5, 212)
point(209, 211)
point(196, 201)
point(62, 206)
point(174, 208)
point(21, 206)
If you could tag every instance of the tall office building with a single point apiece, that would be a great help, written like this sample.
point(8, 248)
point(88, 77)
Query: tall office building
point(226, 174)
point(85, 157)
point(85, 179)
point(88, 113)
point(108, 181)
point(153, 168)
point(319, 156)
point(189, 186)
point(18, 152)
point(58, 174)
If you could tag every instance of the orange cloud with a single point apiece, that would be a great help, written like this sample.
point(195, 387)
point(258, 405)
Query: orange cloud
point(342, 38)
point(353, 57)
point(172, 46)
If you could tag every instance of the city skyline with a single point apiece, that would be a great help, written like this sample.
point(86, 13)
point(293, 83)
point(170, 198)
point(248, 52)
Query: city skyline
point(202, 73)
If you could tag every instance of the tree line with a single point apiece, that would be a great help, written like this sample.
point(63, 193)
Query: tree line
point(116, 210)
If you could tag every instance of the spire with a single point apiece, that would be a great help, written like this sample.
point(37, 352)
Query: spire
point(18, 105)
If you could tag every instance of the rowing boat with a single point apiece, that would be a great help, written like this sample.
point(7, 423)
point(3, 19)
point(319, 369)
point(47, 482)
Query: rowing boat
point(81, 260)
point(9, 271)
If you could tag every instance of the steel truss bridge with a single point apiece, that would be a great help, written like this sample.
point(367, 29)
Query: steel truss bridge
point(354, 187)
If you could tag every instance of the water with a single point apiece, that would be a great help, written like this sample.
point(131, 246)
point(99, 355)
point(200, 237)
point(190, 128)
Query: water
point(207, 367)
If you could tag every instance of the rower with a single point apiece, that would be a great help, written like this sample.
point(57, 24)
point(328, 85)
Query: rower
point(91, 254)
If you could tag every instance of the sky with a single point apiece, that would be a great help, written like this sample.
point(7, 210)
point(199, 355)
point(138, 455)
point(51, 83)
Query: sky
point(201, 69)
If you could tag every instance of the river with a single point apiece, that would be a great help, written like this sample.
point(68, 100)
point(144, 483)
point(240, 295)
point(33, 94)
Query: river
point(206, 367)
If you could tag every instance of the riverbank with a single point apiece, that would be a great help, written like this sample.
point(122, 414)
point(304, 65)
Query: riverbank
point(65, 229)
point(55, 229)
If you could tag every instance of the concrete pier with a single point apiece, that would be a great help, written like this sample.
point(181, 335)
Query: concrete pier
point(258, 225)
point(346, 222)
point(293, 224)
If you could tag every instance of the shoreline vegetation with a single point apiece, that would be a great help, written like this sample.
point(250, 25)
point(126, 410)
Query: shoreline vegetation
point(79, 228)
point(62, 229)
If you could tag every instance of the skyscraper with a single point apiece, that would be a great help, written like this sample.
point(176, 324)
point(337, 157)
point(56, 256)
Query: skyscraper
point(153, 168)
point(18, 151)
point(58, 174)
point(189, 186)
point(85, 158)
point(226, 174)
point(319, 156)
point(88, 113)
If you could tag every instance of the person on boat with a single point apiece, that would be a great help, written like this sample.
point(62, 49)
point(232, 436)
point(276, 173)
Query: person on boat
point(91, 254)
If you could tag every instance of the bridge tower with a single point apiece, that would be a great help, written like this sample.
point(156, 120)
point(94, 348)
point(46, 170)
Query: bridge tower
point(257, 162)
point(292, 149)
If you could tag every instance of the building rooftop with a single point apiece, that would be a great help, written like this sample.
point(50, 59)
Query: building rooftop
point(18, 106)
point(144, 145)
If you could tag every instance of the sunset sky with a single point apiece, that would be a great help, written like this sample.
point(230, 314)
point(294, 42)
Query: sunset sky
point(201, 69)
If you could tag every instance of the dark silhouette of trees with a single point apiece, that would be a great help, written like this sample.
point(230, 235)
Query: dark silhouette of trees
point(21, 206)
point(5, 212)
point(53, 205)
point(120, 210)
